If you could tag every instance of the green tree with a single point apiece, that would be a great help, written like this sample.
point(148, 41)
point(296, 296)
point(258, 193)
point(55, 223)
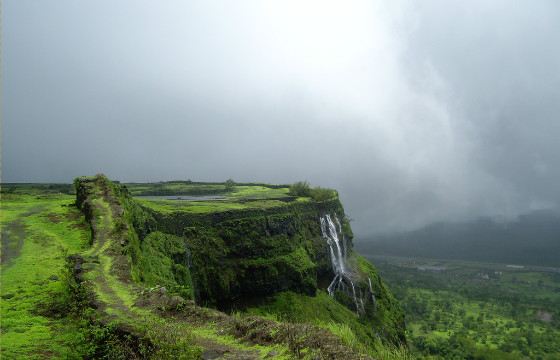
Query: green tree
point(300, 188)
point(230, 184)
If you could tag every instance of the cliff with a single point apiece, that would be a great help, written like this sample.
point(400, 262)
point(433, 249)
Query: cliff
point(273, 254)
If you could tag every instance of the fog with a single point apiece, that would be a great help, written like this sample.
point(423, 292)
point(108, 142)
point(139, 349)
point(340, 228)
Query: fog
point(415, 111)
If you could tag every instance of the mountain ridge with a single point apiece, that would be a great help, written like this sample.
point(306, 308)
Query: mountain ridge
point(530, 239)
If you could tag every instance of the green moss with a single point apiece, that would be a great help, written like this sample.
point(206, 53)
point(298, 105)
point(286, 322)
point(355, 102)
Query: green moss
point(165, 261)
point(324, 311)
point(239, 258)
point(321, 310)
point(388, 314)
point(52, 227)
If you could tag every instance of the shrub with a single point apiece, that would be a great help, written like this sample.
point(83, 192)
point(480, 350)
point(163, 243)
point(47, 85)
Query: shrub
point(230, 184)
point(300, 188)
point(303, 189)
point(322, 194)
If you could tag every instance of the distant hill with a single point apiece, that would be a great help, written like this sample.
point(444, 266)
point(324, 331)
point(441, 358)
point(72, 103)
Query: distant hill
point(532, 239)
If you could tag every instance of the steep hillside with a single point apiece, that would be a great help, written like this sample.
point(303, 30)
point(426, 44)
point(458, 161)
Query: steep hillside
point(253, 273)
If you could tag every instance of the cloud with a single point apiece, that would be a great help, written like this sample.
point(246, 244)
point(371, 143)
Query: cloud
point(415, 112)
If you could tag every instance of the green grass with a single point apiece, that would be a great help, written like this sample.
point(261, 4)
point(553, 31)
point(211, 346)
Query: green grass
point(239, 198)
point(36, 189)
point(185, 188)
point(280, 352)
point(257, 192)
point(174, 188)
point(325, 312)
point(32, 279)
point(205, 207)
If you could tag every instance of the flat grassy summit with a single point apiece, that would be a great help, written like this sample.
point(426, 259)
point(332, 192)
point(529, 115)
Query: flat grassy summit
point(211, 197)
point(188, 270)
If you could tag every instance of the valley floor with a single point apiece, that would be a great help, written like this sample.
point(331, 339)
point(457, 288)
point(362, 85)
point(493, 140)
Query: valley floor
point(458, 310)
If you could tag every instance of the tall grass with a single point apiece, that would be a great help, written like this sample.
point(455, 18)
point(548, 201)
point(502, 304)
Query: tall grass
point(381, 351)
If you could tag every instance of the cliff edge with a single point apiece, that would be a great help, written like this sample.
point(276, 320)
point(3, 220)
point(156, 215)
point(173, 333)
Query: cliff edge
point(244, 249)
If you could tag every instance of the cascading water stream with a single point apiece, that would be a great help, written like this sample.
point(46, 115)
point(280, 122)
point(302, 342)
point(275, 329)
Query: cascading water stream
point(338, 249)
point(373, 300)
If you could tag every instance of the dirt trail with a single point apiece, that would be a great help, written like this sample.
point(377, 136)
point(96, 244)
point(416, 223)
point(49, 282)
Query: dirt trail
point(101, 242)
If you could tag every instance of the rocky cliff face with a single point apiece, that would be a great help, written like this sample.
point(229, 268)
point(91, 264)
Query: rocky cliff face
point(235, 256)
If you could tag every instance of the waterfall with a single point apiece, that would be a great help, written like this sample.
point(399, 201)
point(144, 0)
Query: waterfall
point(338, 252)
point(343, 238)
point(371, 292)
point(330, 233)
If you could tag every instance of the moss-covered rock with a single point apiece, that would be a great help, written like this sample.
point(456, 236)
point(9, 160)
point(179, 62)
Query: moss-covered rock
point(166, 261)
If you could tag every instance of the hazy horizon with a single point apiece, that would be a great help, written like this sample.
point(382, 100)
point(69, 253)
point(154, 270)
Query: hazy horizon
point(414, 112)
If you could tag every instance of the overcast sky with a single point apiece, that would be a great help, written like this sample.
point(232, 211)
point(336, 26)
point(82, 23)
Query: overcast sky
point(414, 111)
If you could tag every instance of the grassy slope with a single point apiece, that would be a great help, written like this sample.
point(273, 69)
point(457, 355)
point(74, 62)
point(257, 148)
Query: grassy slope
point(32, 279)
point(324, 311)
point(320, 310)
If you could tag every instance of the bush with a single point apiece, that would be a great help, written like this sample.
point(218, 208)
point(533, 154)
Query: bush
point(300, 188)
point(303, 189)
point(230, 184)
point(322, 194)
